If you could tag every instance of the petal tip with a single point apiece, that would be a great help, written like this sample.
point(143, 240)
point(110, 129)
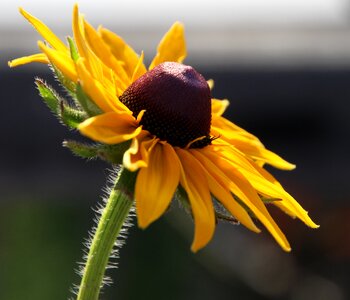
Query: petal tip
point(143, 224)
point(22, 11)
point(287, 249)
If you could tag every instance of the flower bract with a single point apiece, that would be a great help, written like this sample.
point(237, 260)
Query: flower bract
point(178, 137)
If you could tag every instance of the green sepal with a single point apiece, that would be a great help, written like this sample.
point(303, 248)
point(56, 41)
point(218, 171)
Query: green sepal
point(73, 49)
point(222, 214)
point(68, 115)
point(86, 103)
point(71, 116)
point(267, 200)
point(49, 95)
point(68, 84)
point(110, 153)
point(225, 218)
point(182, 197)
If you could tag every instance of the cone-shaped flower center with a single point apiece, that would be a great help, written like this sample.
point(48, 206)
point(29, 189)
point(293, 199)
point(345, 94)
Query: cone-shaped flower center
point(177, 102)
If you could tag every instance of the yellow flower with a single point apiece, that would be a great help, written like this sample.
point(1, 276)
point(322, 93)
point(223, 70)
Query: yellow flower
point(177, 132)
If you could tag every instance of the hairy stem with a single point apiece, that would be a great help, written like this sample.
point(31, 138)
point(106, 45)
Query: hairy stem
point(113, 216)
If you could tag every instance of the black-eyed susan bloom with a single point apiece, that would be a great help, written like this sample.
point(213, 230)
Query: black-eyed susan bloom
point(175, 133)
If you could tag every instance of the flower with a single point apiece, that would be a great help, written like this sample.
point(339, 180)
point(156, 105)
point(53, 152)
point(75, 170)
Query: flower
point(178, 135)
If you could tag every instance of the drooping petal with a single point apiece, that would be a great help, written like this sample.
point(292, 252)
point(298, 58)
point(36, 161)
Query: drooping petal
point(264, 186)
point(45, 32)
point(172, 47)
point(62, 61)
point(137, 155)
point(218, 107)
point(219, 185)
point(121, 51)
point(259, 153)
point(156, 184)
point(280, 204)
point(40, 58)
point(110, 128)
point(228, 130)
point(241, 187)
point(195, 183)
point(289, 205)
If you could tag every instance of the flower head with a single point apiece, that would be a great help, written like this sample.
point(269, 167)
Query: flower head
point(178, 138)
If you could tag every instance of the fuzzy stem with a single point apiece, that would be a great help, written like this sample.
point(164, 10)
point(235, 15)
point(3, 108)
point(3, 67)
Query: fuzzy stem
point(113, 216)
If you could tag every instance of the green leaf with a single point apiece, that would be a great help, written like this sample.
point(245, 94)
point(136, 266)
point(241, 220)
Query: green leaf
point(222, 214)
point(73, 49)
point(86, 103)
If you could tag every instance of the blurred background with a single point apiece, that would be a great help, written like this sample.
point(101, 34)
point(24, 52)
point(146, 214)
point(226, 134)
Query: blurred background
point(284, 65)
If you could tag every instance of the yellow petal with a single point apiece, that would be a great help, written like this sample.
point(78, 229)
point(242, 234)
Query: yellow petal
point(172, 47)
point(110, 128)
point(195, 183)
point(92, 62)
point(139, 69)
point(121, 51)
point(40, 58)
point(241, 187)
point(228, 130)
point(45, 31)
point(102, 51)
point(210, 83)
point(219, 186)
point(260, 153)
point(138, 154)
point(104, 98)
point(218, 107)
point(61, 61)
point(264, 186)
point(156, 184)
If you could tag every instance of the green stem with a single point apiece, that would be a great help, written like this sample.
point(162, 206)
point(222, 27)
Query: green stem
point(113, 216)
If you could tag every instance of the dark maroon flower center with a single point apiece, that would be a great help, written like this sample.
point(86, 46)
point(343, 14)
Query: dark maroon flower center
point(177, 101)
